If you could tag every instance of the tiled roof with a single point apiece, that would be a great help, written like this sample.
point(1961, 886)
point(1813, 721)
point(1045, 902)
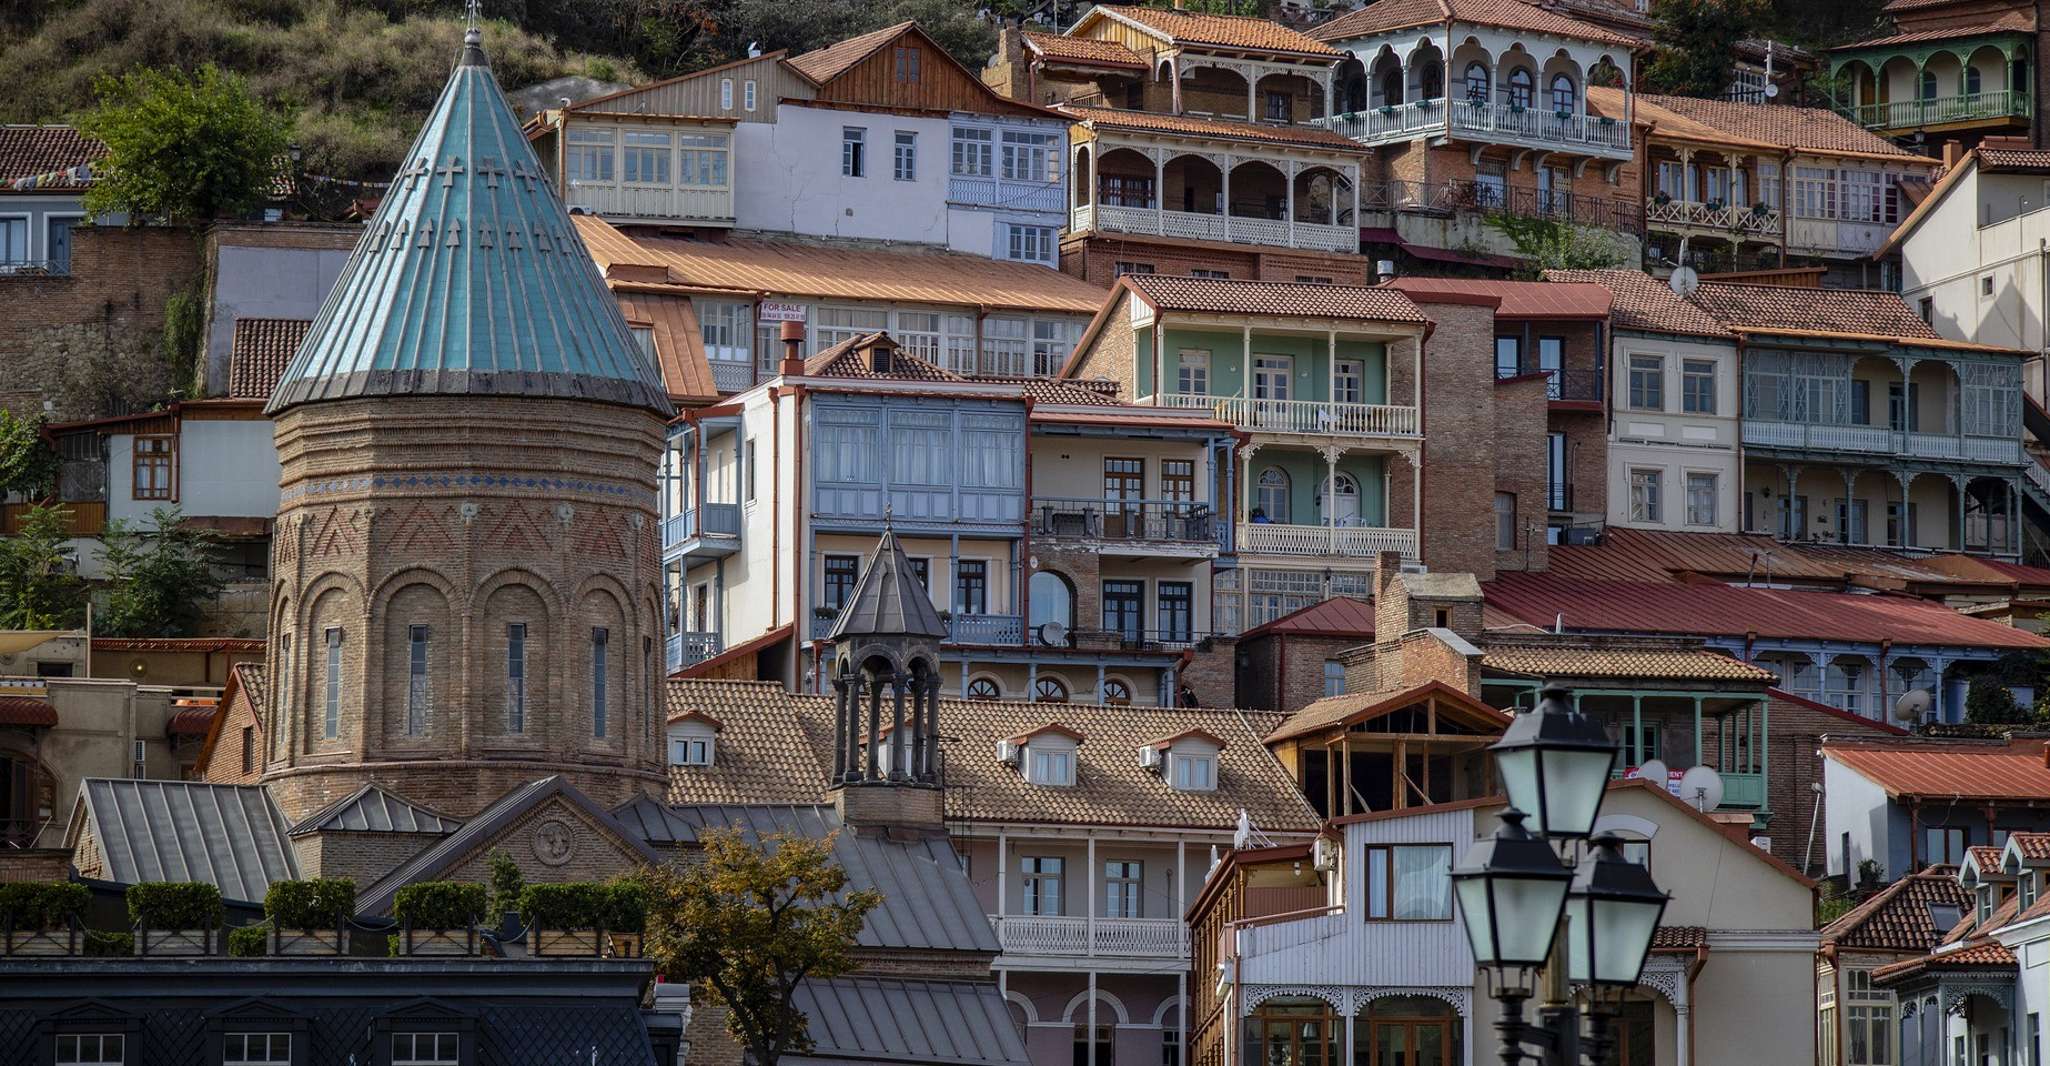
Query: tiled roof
point(1722, 610)
point(1667, 664)
point(1222, 31)
point(1814, 128)
point(2033, 846)
point(1981, 955)
point(26, 151)
point(1897, 917)
point(777, 748)
point(1089, 50)
point(371, 809)
point(1361, 706)
point(2011, 771)
point(1642, 302)
point(1520, 299)
point(2023, 159)
point(27, 711)
point(1172, 292)
point(261, 350)
point(2007, 22)
point(851, 359)
point(230, 836)
point(822, 65)
point(1771, 307)
point(1340, 616)
point(1388, 15)
point(888, 598)
point(253, 683)
point(1679, 937)
point(747, 268)
point(199, 644)
point(1110, 118)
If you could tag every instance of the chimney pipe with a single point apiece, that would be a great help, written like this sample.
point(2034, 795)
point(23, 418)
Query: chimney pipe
point(1384, 269)
point(793, 350)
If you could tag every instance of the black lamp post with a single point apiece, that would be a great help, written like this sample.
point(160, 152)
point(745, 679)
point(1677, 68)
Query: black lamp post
point(1527, 910)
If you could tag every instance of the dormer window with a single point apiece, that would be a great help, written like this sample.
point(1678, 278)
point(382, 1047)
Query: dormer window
point(1055, 767)
point(693, 739)
point(1048, 754)
point(1193, 772)
point(1187, 760)
point(2026, 886)
point(1985, 903)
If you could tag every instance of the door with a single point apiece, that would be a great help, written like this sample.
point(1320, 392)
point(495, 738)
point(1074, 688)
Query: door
point(1271, 377)
point(60, 245)
point(1345, 501)
point(1124, 485)
point(1124, 609)
point(1411, 1042)
point(1560, 496)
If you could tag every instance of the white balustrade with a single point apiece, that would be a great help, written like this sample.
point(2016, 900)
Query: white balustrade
point(710, 203)
point(1312, 416)
point(1363, 542)
point(1197, 226)
point(1725, 217)
point(1032, 934)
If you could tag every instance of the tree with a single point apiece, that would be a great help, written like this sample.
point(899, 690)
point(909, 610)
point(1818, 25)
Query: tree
point(28, 467)
point(1697, 43)
point(38, 586)
point(1552, 244)
point(182, 148)
point(1989, 702)
point(160, 581)
point(752, 922)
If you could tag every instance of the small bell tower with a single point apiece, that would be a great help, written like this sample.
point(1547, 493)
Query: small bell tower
point(886, 649)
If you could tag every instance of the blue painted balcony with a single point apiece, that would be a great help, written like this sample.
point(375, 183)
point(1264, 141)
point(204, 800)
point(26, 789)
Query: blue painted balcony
point(710, 532)
point(689, 649)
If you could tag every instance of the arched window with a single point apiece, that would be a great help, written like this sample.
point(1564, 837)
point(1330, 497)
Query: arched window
point(1431, 80)
point(1605, 73)
point(1517, 92)
point(1117, 693)
point(1345, 500)
point(1562, 92)
point(1271, 501)
point(1476, 83)
point(1928, 85)
point(983, 688)
point(1050, 690)
point(1391, 86)
point(1053, 600)
point(1971, 81)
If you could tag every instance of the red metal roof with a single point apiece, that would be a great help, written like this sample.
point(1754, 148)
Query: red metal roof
point(1660, 555)
point(27, 710)
point(1520, 299)
point(191, 721)
point(1732, 611)
point(1339, 616)
point(1932, 768)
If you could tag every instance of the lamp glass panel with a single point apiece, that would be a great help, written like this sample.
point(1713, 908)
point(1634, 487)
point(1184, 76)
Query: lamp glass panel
point(1607, 940)
point(1518, 770)
point(1574, 783)
point(1521, 921)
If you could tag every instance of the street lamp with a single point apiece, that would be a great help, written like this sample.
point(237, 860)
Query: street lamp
point(1526, 908)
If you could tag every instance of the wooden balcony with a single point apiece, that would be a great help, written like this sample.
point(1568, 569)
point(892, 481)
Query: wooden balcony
point(1352, 542)
point(704, 205)
point(85, 518)
point(1881, 441)
point(1721, 218)
point(2000, 106)
point(1486, 120)
point(1313, 417)
point(1237, 229)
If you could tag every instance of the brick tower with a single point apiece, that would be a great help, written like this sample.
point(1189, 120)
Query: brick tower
point(465, 555)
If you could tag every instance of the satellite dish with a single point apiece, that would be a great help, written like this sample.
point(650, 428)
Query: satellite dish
point(1702, 787)
point(1684, 281)
point(1913, 705)
point(1653, 771)
point(1053, 634)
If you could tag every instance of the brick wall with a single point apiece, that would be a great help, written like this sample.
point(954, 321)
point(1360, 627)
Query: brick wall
point(1210, 673)
point(1294, 662)
point(1460, 422)
point(362, 857)
point(1520, 469)
point(1587, 464)
point(1795, 729)
point(1112, 354)
point(1094, 258)
point(34, 864)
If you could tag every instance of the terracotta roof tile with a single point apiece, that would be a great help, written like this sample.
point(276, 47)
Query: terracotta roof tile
point(1768, 308)
point(2033, 846)
point(777, 748)
point(1965, 26)
point(27, 711)
point(253, 683)
point(1172, 292)
point(1980, 955)
point(851, 359)
point(191, 721)
point(1898, 917)
point(200, 644)
point(1679, 937)
point(1813, 128)
point(26, 151)
point(2010, 771)
point(1388, 15)
point(1642, 302)
point(1361, 706)
point(1983, 856)
point(1670, 664)
point(822, 65)
point(1223, 31)
point(1339, 616)
point(2024, 159)
point(261, 348)
point(1110, 118)
point(1520, 299)
point(1087, 50)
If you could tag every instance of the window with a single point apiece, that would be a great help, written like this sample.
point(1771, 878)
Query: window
point(1029, 244)
point(331, 716)
point(747, 94)
point(836, 324)
point(1272, 376)
point(690, 751)
point(1271, 499)
point(1029, 156)
point(1277, 106)
point(426, 1049)
point(973, 152)
point(724, 326)
point(1053, 600)
point(1178, 480)
point(1409, 882)
point(1943, 845)
point(1193, 773)
point(1127, 190)
point(600, 639)
point(587, 154)
point(1192, 372)
point(1124, 268)
point(1505, 521)
point(1697, 386)
point(1349, 382)
point(1647, 383)
point(1986, 285)
point(971, 586)
point(646, 158)
point(1701, 497)
point(1490, 185)
point(1116, 693)
point(1054, 766)
point(256, 1049)
point(13, 240)
point(906, 63)
point(1334, 678)
point(1177, 614)
point(701, 159)
point(1006, 345)
point(1122, 882)
point(904, 163)
point(983, 688)
point(92, 1049)
point(1644, 495)
point(248, 748)
point(726, 94)
point(1124, 609)
point(1632, 739)
point(840, 574)
point(57, 241)
point(2035, 1031)
point(154, 467)
point(1563, 95)
point(1476, 83)
point(1214, 275)
point(416, 681)
point(516, 677)
point(1170, 1046)
point(1050, 690)
point(1517, 92)
point(853, 146)
point(1928, 85)
point(1508, 357)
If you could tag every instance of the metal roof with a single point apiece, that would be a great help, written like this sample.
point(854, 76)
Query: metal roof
point(888, 600)
point(230, 836)
point(371, 809)
point(927, 901)
point(884, 1019)
point(471, 278)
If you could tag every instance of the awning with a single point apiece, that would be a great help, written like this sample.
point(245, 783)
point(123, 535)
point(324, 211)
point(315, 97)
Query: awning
point(27, 711)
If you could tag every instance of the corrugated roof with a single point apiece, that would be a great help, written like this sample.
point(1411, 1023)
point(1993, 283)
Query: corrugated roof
point(1625, 554)
point(1772, 308)
point(1964, 26)
point(29, 151)
point(1520, 299)
point(1389, 15)
point(470, 279)
point(863, 1019)
point(1666, 664)
point(2011, 771)
point(27, 711)
point(1088, 50)
point(1339, 616)
point(1727, 611)
point(229, 836)
point(259, 353)
point(791, 268)
point(371, 809)
point(1898, 917)
point(1642, 302)
point(1815, 129)
point(1223, 31)
point(1172, 292)
point(1110, 118)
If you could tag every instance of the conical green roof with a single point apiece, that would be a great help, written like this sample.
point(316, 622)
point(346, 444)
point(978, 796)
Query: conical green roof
point(471, 280)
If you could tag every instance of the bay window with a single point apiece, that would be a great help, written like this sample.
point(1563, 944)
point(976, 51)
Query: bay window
point(1029, 156)
point(646, 158)
point(701, 159)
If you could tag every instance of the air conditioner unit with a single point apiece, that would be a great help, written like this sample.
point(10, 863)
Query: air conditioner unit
point(1010, 752)
point(1150, 759)
point(1324, 854)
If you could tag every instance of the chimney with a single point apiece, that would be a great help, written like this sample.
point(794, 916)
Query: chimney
point(793, 350)
point(1953, 152)
point(1391, 599)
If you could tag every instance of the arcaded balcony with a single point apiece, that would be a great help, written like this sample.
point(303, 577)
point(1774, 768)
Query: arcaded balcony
point(1246, 201)
point(1511, 98)
point(1908, 86)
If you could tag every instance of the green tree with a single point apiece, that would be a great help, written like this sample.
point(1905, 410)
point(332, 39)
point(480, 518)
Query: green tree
point(160, 581)
point(39, 588)
point(27, 465)
point(1552, 244)
point(752, 922)
point(187, 148)
point(1990, 702)
point(1697, 43)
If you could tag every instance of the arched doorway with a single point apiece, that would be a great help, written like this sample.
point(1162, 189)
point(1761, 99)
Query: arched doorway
point(1053, 600)
point(1344, 505)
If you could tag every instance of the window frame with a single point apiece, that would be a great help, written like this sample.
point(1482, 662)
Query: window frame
point(162, 458)
point(419, 674)
point(1646, 382)
point(1697, 386)
point(1653, 501)
point(601, 667)
point(854, 151)
point(1035, 871)
point(1691, 480)
point(1387, 901)
point(331, 683)
point(516, 678)
point(1198, 768)
point(904, 155)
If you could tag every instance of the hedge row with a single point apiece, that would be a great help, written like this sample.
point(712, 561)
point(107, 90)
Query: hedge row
point(439, 904)
point(322, 903)
point(619, 906)
point(174, 904)
point(36, 906)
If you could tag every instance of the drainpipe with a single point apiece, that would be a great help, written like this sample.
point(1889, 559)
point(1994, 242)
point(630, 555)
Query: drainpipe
point(1021, 561)
point(792, 335)
point(775, 527)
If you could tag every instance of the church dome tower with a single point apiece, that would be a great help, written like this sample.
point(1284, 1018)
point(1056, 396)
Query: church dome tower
point(465, 577)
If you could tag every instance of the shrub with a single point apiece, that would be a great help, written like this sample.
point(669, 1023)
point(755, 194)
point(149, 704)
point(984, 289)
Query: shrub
point(250, 941)
point(506, 883)
point(104, 944)
point(41, 905)
point(439, 904)
point(322, 903)
point(577, 905)
point(626, 906)
point(1988, 702)
point(174, 904)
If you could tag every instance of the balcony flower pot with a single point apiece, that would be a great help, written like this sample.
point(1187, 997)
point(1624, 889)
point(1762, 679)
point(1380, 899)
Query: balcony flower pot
point(308, 917)
point(175, 918)
point(1561, 114)
point(438, 918)
point(42, 917)
point(1387, 109)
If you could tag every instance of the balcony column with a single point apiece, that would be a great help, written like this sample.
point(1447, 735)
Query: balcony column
point(1246, 484)
point(1330, 500)
point(1288, 199)
point(1089, 886)
point(1330, 364)
point(1904, 534)
point(1245, 360)
point(1174, 72)
point(1159, 199)
point(1252, 74)
point(2014, 508)
point(1224, 209)
point(1850, 488)
point(1958, 482)
point(1003, 876)
point(1792, 474)
point(1331, 107)
point(1637, 734)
